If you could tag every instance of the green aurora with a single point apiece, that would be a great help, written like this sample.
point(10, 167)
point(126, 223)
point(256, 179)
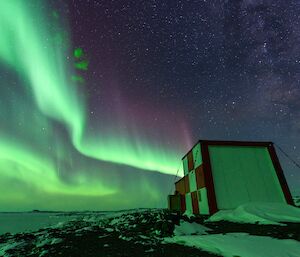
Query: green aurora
point(48, 159)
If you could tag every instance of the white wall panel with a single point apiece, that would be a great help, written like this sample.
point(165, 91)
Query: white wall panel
point(188, 202)
point(192, 180)
point(203, 202)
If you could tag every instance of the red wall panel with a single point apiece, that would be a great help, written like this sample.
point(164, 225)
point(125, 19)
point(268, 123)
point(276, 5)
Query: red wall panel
point(180, 186)
point(182, 203)
point(195, 203)
point(200, 177)
point(190, 160)
point(187, 184)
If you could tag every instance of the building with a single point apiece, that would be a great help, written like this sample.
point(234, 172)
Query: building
point(221, 175)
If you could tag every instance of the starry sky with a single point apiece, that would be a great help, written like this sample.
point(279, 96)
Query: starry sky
point(100, 99)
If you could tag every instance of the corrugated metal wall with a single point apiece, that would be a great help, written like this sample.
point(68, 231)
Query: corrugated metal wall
point(243, 174)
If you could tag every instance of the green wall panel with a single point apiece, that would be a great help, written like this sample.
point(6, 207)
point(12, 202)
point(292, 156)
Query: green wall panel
point(188, 202)
point(185, 166)
point(192, 181)
point(197, 155)
point(203, 203)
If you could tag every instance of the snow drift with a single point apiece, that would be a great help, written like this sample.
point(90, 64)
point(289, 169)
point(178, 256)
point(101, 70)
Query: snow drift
point(261, 213)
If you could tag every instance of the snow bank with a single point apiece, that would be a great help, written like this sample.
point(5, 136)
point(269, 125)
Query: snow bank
point(188, 214)
point(262, 213)
point(8, 246)
point(48, 241)
point(240, 244)
point(186, 228)
point(297, 200)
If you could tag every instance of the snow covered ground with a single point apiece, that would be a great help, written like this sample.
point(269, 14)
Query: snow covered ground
point(297, 200)
point(240, 244)
point(190, 228)
point(158, 232)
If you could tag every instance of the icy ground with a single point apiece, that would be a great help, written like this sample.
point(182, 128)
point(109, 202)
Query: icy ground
point(31, 221)
point(154, 232)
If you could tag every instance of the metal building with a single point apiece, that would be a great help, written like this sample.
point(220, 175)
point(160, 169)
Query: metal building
point(221, 175)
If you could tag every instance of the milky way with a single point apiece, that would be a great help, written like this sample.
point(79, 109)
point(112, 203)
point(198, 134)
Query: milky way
point(100, 99)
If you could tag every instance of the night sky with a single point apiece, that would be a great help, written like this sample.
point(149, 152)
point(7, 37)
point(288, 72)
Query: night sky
point(100, 100)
